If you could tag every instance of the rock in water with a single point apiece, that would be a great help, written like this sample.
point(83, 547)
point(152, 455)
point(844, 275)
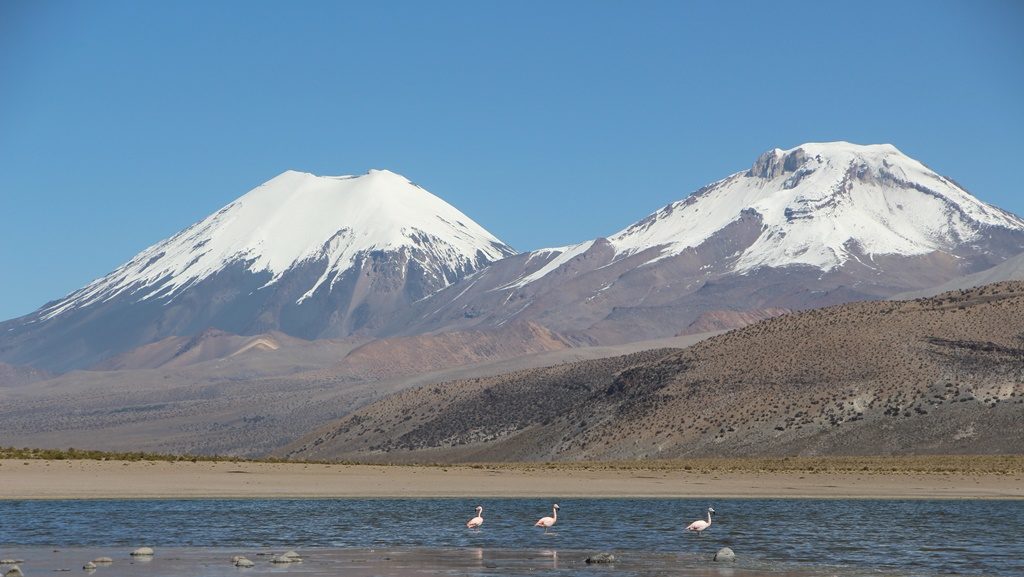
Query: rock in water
point(90, 566)
point(243, 562)
point(103, 560)
point(725, 554)
point(14, 571)
point(291, 555)
point(601, 558)
point(143, 552)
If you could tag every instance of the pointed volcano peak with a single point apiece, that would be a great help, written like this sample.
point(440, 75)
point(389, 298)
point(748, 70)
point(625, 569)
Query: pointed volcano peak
point(298, 218)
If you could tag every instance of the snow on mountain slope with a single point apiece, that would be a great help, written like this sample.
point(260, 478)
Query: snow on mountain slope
point(819, 200)
point(559, 256)
point(821, 204)
point(298, 217)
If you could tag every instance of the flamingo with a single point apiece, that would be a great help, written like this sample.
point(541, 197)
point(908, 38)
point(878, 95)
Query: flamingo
point(547, 522)
point(699, 525)
point(478, 520)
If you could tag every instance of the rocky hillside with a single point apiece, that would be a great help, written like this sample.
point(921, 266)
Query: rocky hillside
point(256, 399)
point(935, 375)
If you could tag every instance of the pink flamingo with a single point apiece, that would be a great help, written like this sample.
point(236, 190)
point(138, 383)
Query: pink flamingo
point(699, 525)
point(547, 522)
point(478, 520)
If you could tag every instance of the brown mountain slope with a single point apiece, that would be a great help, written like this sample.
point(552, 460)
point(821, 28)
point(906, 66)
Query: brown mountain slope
point(14, 375)
point(937, 375)
point(173, 352)
point(385, 358)
point(257, 399)
point(722, 320)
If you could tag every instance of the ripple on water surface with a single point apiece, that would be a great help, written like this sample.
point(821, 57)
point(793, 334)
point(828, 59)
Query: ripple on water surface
point(774, 535)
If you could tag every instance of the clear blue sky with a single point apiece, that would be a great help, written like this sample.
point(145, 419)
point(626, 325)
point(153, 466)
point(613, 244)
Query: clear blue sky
point(547, 122)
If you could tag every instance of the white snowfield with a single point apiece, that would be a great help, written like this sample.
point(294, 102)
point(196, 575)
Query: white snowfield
point(563, 254)
point(835, 198)
point(297, 217)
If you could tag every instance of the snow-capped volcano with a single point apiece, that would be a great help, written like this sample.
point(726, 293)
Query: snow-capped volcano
point(311, 256)
point(817, 224)
point(376, 256)
point(298, 218)
point(820, 204)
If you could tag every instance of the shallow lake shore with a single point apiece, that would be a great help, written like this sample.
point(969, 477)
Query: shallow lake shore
point(386, 562)
point(87, 479)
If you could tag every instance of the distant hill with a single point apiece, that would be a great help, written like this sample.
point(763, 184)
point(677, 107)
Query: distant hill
point(258, 399)
point(184, 351)
point(14, 375)
point(1010, 269)
point(936, 375)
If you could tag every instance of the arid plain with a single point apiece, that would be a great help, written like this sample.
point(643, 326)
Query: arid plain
point(930, 478)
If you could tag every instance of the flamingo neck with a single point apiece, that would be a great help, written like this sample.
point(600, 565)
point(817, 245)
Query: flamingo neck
point(709, 518)
point(554, 514)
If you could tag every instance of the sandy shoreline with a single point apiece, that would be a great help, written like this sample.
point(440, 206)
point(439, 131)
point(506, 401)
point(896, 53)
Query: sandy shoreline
point(70, 479)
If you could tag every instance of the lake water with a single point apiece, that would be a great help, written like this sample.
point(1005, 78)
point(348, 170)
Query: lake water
point(877, 537)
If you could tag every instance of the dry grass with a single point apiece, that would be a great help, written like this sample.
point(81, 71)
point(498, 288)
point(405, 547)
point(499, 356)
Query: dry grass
point(90, 455)
point(934, 464)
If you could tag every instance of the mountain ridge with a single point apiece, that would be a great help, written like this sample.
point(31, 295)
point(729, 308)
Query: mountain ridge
point(376, 256)
point(932, 376)
point(814, 225)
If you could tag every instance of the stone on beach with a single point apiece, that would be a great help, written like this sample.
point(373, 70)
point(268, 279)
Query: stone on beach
point(241, 561)
point(601, 558)
point(725, 554)
point(143, 552)
point(283, 559)
point(289, 557)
